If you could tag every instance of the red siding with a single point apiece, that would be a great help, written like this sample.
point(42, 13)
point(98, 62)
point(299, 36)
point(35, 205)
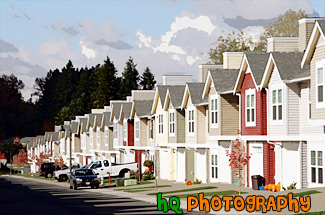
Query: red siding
point(268, 163)
point(260, 128)
point(131, 132)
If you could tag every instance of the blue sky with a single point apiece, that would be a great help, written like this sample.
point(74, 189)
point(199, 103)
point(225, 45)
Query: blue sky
point(169, 36)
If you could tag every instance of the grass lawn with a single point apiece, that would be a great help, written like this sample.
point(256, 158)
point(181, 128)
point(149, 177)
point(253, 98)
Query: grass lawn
point(35, 176)
point(141, 188)
point(185, 190)
point(309, 192)
point(220, 193)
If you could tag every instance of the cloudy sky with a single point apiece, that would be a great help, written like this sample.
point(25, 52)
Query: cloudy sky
point(168, 36)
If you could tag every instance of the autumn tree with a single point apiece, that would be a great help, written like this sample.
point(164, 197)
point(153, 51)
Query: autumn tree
point(42, 158)
point(147, 81)
point(231, 42)
point(286, 25)
point(21, 158)
point(59, 162)
point(238, 159)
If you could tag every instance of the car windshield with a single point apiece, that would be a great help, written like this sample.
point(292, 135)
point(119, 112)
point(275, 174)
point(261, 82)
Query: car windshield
point(87, 166)
point(84, 172)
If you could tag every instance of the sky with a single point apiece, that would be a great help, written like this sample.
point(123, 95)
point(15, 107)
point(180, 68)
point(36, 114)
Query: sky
point(168, 36)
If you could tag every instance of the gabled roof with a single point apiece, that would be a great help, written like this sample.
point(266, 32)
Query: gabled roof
point(67, 130)
point(27, 140)
point(160, 93)
point(95, 118)
point(194, 91)
point(74, 127)
point(256, 61)
point(142, 108)
point(55, 136)
point(288, 65)
point(318, 30)
point(116, 110)
point(174, 95)
point(83, 124)
point(126, 110)
point(107, 118)
point(40, 139)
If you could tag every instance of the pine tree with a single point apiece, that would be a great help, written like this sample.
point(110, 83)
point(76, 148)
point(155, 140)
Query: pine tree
point(147, 80)
point(130, 79)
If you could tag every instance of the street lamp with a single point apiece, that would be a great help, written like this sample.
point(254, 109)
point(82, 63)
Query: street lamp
point(62, 130)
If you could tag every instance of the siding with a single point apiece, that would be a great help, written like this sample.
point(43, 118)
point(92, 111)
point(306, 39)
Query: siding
point(208, 165)
point(190, 139)
point(304, 161)
point(200, 124)
point(261, 125)
point(172, 139)
point(268, 163)
point(293, 93)
point(102, 138)
point(77, 143)
point(319, 54)
point(130, 132)
point(160, 138)
point(283, 45)
point(304, 125)
point(110, 139)
point(275, 81)
point(305, 30)
point(229, 114)
point(143, 132)
point(180, 121)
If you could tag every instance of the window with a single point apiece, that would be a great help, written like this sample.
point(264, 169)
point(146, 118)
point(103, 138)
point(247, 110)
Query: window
point(250, 107)
point(172, 123)
point(191, 121)
point(277, 104)
point(137, 132)
point(316, 163)
point(320, 81)
point(91, 137)
point(214, 111)
point(160, 124)
point(151, 129)
point(106, 136)
point(125, 130)
point(214, 166)
point(105, 162)
point(115, 130)
point(98, 137)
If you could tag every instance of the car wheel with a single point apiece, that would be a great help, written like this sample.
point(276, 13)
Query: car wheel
point(64, 178)
point(75, 186)
point(60, 178)
point(92, 186)
point(48, 175)
point(122, 174)
point(97, 186)
point(71, 187)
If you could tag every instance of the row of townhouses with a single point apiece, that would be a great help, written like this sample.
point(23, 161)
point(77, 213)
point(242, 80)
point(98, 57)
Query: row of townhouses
point(275, 99)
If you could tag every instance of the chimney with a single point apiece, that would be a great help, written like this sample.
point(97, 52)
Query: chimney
point(143, 94)
point(306, 26)
point(283, 44)
point(177, 79)
point(232, 60)
point(204, 69)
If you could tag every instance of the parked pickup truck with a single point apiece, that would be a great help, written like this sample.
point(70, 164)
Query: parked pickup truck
point(64, 174)
point(102, 167)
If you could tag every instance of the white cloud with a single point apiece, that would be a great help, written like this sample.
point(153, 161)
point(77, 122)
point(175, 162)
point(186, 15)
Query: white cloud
point(176, 57)
point(190, 60)
point(90, 53)
point(143, 39)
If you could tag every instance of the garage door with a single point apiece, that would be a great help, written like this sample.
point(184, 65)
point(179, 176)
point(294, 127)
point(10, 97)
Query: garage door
point(180, 172)
point(164, 164)
point(200, 166)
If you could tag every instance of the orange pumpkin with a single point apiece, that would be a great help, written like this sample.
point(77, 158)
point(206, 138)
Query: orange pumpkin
point(278, 187)
point(273, 187)
point(266, 187)
point(188, 183)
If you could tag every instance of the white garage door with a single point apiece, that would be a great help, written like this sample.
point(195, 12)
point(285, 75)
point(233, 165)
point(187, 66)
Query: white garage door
point(180, 165)
point(164, 164)
point(256, 160)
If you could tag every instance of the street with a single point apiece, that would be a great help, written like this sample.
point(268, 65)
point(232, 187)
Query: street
point(19, 195)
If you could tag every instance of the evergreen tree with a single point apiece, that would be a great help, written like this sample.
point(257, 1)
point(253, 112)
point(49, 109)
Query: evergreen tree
point(147, 80)
point(130, 79)
point(107, 88)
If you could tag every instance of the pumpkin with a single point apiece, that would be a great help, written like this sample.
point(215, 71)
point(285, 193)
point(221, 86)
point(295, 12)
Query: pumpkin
point(188, 183)
point(278, 187)
point(265, 187)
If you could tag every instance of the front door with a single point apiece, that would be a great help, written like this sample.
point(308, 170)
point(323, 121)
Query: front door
point(214, 167)
point(256, 160)
point(180, 165)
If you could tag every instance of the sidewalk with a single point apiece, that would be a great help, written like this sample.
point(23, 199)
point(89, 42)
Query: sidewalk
point(317, 200)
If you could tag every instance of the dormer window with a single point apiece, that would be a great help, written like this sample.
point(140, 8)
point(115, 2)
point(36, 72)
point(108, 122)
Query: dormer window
point(277, 105)
point(137, 129)
point(160, 124)
point(191, 122)
point(250, 107)
point(214, 111)
point(172, 123)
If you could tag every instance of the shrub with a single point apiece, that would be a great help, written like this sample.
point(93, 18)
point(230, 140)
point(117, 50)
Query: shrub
point(291, 187)
point(148, 176)
point(148, 163)
point(197, 181)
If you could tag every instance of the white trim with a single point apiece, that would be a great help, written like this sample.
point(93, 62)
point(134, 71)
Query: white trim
point(317, 121)
point(276, 88)
point(171, 111)
point(161, 116)
point(191, 108)
point(250, 92)
point(216, 98)
point(297, 80)
point(136, 121)
point(125, 129)
point(320, 64)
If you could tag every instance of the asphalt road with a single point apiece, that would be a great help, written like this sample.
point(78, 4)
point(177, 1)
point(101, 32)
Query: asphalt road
point(19, 195)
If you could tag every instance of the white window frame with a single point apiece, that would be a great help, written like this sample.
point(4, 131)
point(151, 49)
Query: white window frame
point(317, 166)
point(171, 123)
point(125, 130)
point(249, 93)
point(98, 137)
point(275, 103)
point(91, 137)
point(161, 124)
point(115, 130)
point(191, 121)
point(214, 169)
point(320, 65)
point(136, 129)
point(106, 136)
point(151, 131)
point(214, 111)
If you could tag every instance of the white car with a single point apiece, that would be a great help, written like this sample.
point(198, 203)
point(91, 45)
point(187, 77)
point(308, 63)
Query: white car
point(64, 174)
point(103, 167)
